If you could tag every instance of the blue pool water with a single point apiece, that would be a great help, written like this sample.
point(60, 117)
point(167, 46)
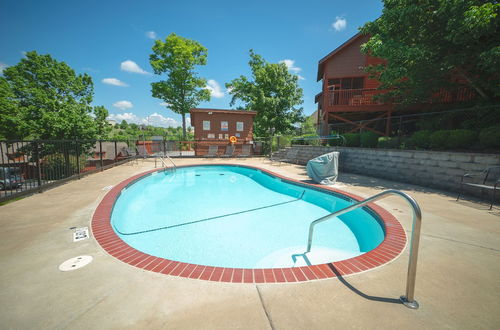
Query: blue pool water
point(231, 216)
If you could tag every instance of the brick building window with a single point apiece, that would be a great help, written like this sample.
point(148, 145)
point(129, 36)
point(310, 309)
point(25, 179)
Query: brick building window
point(239, 126)
point(206, 125)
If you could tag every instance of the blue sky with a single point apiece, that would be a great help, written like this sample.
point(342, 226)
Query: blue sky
point(112, 40)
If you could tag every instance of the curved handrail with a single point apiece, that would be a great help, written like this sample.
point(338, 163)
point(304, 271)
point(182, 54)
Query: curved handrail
point(170, 159)
point(163, 161)
point(407, 300)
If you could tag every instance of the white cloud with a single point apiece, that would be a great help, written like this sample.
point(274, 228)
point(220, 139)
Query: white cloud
point(151, 34)
point(3, 66)
point(155, 119)
point(290, 64)
point(114, 82)
point(339, 24)
point(131, 66)
point(129, 117)
point(123, 105)
point(214, 88)
point(23, 53)
point(164, 104)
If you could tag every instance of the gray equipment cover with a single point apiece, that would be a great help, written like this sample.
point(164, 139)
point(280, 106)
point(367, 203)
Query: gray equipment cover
point(324, 169)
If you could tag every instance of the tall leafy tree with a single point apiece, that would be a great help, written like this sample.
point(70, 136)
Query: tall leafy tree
point(273, 92)
point(102, 126)
point(42, 98)
point(182, 89)
point(431, 45)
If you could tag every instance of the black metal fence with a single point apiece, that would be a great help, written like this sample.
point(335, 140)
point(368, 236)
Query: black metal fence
point(30, 166)
point(267, 145)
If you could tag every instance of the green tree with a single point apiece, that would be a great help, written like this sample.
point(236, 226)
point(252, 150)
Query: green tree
point(183, 89)
point(273, 92)
point(433, 45)
point(46, 99)
point(124, 124)
point(102, 126)
point(307, 126)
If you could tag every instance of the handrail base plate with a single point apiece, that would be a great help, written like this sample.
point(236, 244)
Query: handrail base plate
point(410, 304)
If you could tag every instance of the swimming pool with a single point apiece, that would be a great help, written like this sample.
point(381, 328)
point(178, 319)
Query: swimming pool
point(239, 217)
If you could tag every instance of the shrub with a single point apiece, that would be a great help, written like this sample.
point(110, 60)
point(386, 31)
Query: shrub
point(461, 139)
point(306, 139)
point(369, 140)
point(490, 137)
point(55, 167)
point(352, 140)
point(439, 139)
point(388, 142)
point(452, 139)
point(421, 139)
point(335, 142)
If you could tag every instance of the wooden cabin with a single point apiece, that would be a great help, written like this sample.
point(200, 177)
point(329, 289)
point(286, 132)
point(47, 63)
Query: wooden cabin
point(347, 94)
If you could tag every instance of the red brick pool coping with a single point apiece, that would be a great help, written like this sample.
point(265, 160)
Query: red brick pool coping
point(391, 247)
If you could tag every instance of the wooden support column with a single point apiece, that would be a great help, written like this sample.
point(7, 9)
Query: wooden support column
point(358, 126)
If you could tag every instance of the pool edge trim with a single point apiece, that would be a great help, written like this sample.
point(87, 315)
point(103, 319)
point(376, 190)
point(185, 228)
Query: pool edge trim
point(390, 249)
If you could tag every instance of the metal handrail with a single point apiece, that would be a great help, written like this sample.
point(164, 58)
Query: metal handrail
point(163, 161)
point(408, 300)
point(327, 137)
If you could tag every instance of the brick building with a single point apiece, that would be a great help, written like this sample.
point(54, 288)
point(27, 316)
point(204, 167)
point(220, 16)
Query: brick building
point(216, 126)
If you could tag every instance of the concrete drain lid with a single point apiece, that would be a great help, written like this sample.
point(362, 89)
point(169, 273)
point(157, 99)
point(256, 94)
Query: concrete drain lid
point(75, 263)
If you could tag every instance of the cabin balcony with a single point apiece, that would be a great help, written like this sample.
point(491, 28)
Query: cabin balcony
point(353, 100)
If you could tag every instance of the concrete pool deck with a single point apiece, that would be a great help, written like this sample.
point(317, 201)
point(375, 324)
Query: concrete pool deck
point(458, 285)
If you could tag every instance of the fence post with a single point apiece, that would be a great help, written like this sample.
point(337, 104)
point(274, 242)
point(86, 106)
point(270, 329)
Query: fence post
point(400, 129)
point(100, 153)
point(116, 152)
point(37, 162)
point(77, 151)
point(270, 146)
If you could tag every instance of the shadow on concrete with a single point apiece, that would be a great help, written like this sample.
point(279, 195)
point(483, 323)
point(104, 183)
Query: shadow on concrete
point(360, 293)
point(384, 184)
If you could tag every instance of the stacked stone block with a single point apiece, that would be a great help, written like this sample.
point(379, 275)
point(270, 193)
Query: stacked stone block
point(442, 170)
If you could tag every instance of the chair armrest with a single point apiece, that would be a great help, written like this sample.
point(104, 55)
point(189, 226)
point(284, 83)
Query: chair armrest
point(472, 176)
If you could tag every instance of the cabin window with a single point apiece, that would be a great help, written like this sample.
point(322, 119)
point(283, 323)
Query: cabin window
point(239, 126)
point(224, 126)
point(346, 83)
point(206, 125)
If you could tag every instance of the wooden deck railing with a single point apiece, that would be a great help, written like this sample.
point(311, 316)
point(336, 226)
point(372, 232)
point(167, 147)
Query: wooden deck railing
point(353, 97)
point(361, 97)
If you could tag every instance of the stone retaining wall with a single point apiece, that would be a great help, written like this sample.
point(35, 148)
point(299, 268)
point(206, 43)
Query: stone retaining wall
point(435, 169)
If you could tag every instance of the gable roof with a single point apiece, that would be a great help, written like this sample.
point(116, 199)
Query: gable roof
point(228, 111)
point(322, 62)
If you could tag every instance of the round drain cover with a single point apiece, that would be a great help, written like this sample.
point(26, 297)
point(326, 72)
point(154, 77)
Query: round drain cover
point(75, 263)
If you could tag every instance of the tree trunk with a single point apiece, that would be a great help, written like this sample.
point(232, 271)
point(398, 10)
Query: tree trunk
point(184, 126)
